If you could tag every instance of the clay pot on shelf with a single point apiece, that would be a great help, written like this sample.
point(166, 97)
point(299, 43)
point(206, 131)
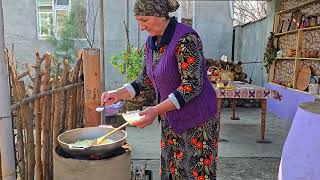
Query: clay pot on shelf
point(290, 53)
point(313, 54)
point(306, 54)
point(306, 23)
point(313, 21)
point(318, 19)
point(293, 53)
point(319, 54)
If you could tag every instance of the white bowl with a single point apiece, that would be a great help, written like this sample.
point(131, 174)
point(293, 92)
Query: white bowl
point(132, 116)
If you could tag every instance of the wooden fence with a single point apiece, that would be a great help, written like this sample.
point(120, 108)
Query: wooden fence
point(0, 169)
point(46, 101)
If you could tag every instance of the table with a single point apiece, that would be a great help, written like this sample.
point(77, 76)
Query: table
point(300, 155)
point(292, 98)
point(246, 91)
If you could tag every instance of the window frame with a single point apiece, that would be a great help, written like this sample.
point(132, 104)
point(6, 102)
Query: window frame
point(54, 9)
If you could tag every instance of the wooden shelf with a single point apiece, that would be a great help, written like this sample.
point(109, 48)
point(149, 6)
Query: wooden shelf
point(286, 58)
point(293, 58)
point(297, 7)
point(288, 32)
point(295, 31)
point(310, 28)
point(313, 59)
point(299, 42)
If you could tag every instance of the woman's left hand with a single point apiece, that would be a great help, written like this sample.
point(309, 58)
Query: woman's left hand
point(149, 114)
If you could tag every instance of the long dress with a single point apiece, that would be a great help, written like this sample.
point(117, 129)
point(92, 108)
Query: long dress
point(191, 154)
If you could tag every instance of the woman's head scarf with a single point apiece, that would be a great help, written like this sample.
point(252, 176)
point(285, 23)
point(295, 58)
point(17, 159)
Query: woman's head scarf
point(159, 8)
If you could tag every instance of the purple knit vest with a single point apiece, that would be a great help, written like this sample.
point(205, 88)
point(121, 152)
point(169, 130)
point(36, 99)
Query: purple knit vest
point(166, 78)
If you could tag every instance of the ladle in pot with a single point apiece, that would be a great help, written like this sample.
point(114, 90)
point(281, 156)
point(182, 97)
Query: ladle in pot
point(102, 138)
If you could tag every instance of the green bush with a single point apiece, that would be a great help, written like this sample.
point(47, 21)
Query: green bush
point(128, 62)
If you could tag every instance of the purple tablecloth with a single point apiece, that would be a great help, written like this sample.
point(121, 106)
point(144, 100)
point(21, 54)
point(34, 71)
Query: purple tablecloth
point(290, 100)
point(301, 152)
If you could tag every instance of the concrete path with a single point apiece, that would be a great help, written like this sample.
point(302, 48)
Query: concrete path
point(240, 157)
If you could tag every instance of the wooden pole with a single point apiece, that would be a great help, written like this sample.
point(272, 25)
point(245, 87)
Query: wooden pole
point(64, 82)
point(0, 169)
point(44, 119)
point(127, 23)
point(19, 118)
point(6, 133)
point(297, 62)
point(70, 105)
point(78, 97)
point(92, 88)
point(26, 117)
point(57, 110)
point(263, 118)
point(37, 117)
point(101, 41)
point(20, 145)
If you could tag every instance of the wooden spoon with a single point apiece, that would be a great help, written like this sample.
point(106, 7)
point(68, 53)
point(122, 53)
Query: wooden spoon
point(102, 138)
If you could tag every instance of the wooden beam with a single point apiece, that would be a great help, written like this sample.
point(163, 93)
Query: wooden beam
point(297, 63)
point(92, 88)
point(271, 71)
point(0, 169)
point(101, 40)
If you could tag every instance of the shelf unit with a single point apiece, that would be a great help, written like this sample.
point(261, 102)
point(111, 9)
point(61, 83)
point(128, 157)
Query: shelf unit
point(286, 58)
point(299, 33)
point(312, 59)
point(300, 58)
point(296, 7)
point(295, 31)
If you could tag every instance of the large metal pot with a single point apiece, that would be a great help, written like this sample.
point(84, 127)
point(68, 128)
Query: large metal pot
point(67, 138)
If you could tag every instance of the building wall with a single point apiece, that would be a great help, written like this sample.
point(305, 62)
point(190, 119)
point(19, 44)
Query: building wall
point(20, 24)
point(250, 43)
point(212, 22)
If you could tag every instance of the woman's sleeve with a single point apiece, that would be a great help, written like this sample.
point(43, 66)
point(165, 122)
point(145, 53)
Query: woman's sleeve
point(190, 56)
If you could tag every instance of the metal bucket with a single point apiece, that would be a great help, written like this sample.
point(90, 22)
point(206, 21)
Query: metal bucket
point(67, 138)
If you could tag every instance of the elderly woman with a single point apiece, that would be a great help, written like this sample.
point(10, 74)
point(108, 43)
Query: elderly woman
point(186, 102)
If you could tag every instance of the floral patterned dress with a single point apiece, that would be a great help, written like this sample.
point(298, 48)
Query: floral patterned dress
point(191, 154)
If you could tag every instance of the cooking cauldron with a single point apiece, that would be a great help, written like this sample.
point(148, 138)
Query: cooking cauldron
point(67, 138)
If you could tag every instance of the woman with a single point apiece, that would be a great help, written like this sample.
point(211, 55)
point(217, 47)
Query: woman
point(174, 68)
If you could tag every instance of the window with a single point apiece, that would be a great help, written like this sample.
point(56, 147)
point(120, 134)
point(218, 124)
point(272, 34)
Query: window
point(61, 16)
point(61, 2)
point(51, 15)
point(44, 18)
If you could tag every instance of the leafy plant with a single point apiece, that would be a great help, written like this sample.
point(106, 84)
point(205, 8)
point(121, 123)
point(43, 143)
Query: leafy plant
point(128, 62)
point(65, 44)
point(78, 27)
point(270, 53)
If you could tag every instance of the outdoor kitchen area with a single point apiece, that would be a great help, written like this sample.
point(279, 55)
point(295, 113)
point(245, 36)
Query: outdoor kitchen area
point(159, 90)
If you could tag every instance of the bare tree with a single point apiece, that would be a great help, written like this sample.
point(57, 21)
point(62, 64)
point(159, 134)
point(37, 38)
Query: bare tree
point(87, 19)
point(248, 11)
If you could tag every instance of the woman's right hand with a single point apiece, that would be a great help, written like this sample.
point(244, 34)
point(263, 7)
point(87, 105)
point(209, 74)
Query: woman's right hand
point(110, 97)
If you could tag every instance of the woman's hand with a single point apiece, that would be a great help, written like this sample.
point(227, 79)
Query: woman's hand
point(110, 97)
point(150, 114)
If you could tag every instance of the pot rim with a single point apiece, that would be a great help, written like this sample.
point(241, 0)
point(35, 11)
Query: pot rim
point(68, 131)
